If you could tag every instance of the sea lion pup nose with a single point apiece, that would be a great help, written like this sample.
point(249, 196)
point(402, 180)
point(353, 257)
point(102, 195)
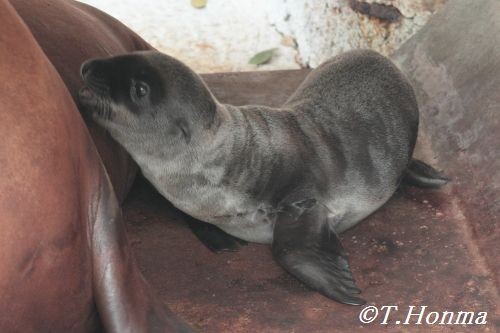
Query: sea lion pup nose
point(293, 176)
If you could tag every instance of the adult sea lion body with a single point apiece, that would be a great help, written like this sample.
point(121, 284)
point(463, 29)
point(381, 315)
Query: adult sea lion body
point(70, 32)
point(293, 176)
point(65, 263)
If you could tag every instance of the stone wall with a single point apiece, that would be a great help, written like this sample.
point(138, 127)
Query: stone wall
point(324, 28)
point(225, 34)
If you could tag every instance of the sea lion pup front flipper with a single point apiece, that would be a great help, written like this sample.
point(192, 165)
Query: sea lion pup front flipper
point(306, 246)
point(215, 239)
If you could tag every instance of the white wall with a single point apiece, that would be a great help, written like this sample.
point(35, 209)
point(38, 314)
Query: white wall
point(225, 34)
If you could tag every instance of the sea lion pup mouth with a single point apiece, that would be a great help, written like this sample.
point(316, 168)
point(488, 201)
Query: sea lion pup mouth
point(135, 95)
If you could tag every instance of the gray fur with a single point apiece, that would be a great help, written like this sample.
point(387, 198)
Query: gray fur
point(343, 139)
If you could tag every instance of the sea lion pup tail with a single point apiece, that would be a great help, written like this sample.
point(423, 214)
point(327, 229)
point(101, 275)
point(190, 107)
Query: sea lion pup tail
point(421, 174)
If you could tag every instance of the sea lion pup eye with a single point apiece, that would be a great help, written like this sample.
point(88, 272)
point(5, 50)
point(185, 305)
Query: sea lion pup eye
point(293, 177)
point(139, 89)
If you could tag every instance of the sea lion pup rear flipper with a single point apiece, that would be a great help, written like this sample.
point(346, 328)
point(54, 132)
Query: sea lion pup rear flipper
point(214, 238)
point(421, 174)
point(306, 246)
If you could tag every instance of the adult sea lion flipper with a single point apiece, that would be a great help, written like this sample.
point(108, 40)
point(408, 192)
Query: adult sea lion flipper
point(421, 174)
point(213, 237)
point(124, 300)
point(307, 247)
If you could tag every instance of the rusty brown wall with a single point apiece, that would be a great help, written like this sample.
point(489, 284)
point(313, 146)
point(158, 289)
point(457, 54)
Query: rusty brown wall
point(454, 63)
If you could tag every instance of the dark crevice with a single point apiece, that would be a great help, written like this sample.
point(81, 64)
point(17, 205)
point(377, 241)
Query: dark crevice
point(387, 13)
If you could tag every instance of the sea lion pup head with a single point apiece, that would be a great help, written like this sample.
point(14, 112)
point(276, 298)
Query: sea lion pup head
point(135, 96)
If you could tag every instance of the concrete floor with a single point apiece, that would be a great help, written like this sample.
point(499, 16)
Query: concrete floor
point(410, 252)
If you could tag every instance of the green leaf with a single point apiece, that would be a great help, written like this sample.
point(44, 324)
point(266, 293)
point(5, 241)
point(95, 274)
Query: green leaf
point(262, 57)
point(198, 3)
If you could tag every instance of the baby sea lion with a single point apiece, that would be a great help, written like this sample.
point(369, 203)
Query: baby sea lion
point(293, 176)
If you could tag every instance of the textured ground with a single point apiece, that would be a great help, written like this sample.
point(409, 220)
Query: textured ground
point(411, 252)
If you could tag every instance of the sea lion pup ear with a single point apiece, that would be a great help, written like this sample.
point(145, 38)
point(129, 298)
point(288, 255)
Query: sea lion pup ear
point(305, 245)
point(209, 107)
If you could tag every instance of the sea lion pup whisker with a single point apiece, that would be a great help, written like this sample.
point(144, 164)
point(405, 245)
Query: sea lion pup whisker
point(293, 176)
